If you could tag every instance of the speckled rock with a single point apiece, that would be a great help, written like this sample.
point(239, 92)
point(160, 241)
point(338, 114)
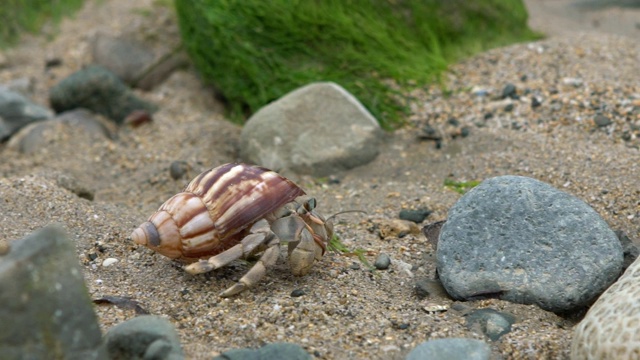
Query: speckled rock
point(451, 349)
point(46, 311)
point(144, 337)
point(318, 129)
point(521, 240)
point(611, 328)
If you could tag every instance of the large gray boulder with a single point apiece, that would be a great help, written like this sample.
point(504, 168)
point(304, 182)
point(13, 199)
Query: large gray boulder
point(521, 240)
point(318, 129)
point(46, 312)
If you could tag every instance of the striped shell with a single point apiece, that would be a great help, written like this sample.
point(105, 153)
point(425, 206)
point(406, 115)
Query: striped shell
point(215, 211)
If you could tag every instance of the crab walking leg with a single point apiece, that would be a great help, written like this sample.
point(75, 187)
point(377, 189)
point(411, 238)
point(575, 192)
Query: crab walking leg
point(258, 270)
point(246, 247)
point(303, 254)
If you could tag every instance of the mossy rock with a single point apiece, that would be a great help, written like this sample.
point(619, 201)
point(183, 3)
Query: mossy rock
point(255, 51)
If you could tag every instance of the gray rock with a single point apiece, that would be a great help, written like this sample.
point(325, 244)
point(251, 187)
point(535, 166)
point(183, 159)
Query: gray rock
point(602, 121)
point(382, 262)
point(16, 111)
point(36, 136)
point(99, 90)
point(521, 240)
point(279, 351)
point(417, 215)
point(490, 322)
point(125, 57)
point(318, 129)
point(46, 311)
point(451, 349)
point(133, 62)
point(145, 337)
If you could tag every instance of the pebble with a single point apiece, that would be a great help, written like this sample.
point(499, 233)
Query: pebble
point(451, 349)
point(417, 215)
point(602, 121)
point(490, 322)
point(16, 111)
point(382, 262)
point(109, 262)
point(146, 337)
point(509, 91)
point(178, 169)
point(297, 293)
point(280, 351)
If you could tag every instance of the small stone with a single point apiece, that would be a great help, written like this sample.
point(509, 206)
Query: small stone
point(4, 247)
point(397, 228)
point(16, 111)
point(280, 351)
point(297, 293)
point(509, 91)
point(109, 262)
point(178, 169)
point(508, 107)
point(451, 349)
point(535, 102)
point(602, 121)
point(429, 287)
point(144, 337)
point(382, 262)
point(490, 322)
point(417, 216)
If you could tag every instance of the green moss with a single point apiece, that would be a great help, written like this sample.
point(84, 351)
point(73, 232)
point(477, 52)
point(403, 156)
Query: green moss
point(18, 16)
point(461, 187)
point(336, 245)
point(255, 51)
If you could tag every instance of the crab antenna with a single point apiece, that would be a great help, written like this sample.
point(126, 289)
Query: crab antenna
point(345, 212)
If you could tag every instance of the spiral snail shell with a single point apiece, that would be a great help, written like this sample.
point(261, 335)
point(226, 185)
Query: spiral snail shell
point(233, 211)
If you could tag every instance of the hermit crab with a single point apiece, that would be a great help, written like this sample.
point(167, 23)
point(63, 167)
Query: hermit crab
point(234, 211)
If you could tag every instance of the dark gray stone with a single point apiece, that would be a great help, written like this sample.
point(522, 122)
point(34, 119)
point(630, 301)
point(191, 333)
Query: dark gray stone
point(382, 262)
point(145, 337)
point(46, 311)
point(99, 90)
point(521, 240)
point(602, 120)
point(490, 322)
point(509, 91)
point(17, 111)
point(318, 129)
point(417, 216)
point(451, 349)
point(279, 351)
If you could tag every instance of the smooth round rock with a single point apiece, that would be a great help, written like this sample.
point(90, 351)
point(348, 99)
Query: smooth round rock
point(280, 351)
point(144, 337)
point(521, 240)
point(490, 322)
point(382, 262)
point(451, 349)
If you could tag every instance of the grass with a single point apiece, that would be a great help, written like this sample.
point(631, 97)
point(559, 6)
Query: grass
point(461, 187)
point(336, 245)
point(19, 16)
point(255, 51)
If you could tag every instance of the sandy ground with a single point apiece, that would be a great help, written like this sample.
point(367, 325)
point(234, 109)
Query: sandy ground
point(347, 312)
